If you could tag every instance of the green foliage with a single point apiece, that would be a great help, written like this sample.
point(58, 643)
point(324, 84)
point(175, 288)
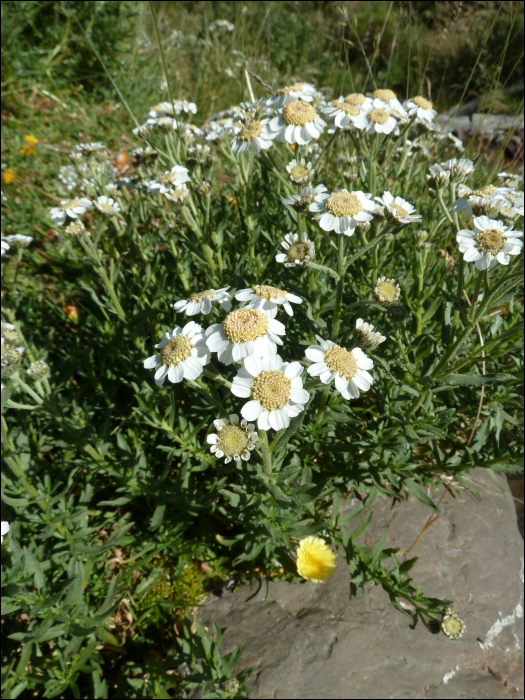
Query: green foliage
point(122, 519)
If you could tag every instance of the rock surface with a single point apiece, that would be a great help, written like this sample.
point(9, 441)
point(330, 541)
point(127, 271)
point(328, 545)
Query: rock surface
point(311, 641)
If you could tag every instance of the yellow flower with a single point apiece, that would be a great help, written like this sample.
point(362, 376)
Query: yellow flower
point(315, 560)
point(8, 175)
point(31, 140)
point(29, 148)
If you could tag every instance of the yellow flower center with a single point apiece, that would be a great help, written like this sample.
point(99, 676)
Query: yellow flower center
point(263, 290)
point(299, 173)
point(490, 241)
point(340, 361)
point(386, 291)
point(298, 113)
point(384, 95)
point(201, 296)
point(245, 324)
point(106, 208)
point(452, 626)
point(346, 107)
point(297, 251)
point(250, 131)
point(422, 102)
point(343, 204)
point(378, 116)
point(271, 390)
point(70, 204)
point(176, 351)
point(296, 87)
point(355, 98)
point(168, 179)
point(233, 440)
point(483, 191)
point(400, 211)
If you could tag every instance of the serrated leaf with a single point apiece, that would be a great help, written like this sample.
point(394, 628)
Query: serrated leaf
point(473, 379)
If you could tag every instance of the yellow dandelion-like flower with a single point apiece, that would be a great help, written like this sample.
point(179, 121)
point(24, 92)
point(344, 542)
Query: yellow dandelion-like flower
point(29, 148)
point(8, 175)
point(315, 560)
point(31, 140)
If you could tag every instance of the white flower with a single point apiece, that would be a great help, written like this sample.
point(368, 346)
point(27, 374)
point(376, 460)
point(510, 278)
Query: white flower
point(143, 130)
point(202, 302)
point(292, 93)
point(357, 99)
point(71, 208)
point(233, 440)
point(386, 99)
point(342, 113)
point(185, 106)
point(340, 211)
point(488, 192)
point(89, 147)
point(223, 24)
point(420, 107)
point(183, 355)
point(17, 240)
point(386, 291)
point(267, 299)
point(376, 121)
point(300, 202)
point(299, 251)
point(178, 195)
point(348, 368)
point(459, 168)
point(399, 209)
point(490, 244)
point(163, 109)
point(170, 180)
point(5, 529)
point(365, 335)
point(518, 204)
point(5, 247)
point(275, 388)
point(299, 173)
point(68, 177)
point(107, 206)
point(164, 123)
point(297, 123)
point(254, 136)
point(510, 179)
point(244, 332)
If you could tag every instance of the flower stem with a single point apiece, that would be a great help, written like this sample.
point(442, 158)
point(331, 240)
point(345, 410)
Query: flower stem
point(91, 252)
point(336, 322)
point(265, 453)
point(323, 268)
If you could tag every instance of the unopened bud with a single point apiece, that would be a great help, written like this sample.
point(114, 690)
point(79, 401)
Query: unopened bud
point(191, 162)
point(451, 625)
point(11, 360)
point(483, 206)
point(349, 176)
point(204, 187)
point(425, 246)
point(420, 236)
point(397, 314)
point(432, 193)
point(302, 204)
point(75, 229)
point(75, 157)
point(38, 370)
point(439, 178)
point(362, 226)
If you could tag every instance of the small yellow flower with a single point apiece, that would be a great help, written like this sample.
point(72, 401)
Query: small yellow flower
point(315, 560)
point(31, 140)
point(29, 148)
point(8, 175)
point(71, 312)
point(232, 201)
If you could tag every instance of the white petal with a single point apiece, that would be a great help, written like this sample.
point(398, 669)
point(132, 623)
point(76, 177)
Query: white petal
point(299, 395)
point(152, 362)
point(212, 439)
point(279, 419)
point(161, 373)
point(263, 422)
point(251, 410)
point(192, 368)
point(175, 374)
point(293, 370)
point(240, 390)
point(314, 353)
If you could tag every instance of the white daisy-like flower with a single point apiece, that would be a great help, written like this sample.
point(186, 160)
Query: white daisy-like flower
point(376, 121)
point(365, 335)
point(297, 123)
point(107, 206)
point(183, 355)
point(178, 195)
point(267, 299)
point(342, 113)
point(398, 209)
point(459, 168)
point(163, 109)
point(488, 192)
point(185, 106)
point(385, 99)
point(386, 291)
point(292, 93)
point(162, 123)
point(455, 141)
point(518, 204)
point(341, 211)
point(18, 240)
point(171, 179)
point(510, 179)
point(234, 439)
point(4, 530)
point(223, 24)
point(68, 177)
point(302, 201)
point(254, 136)
point(299, 251)
point(357, 99)
point(421, 107)
point(202, 302)
point(491, 243)
point(244, 332)
point(347, 367)
point(71, 208)
point(88, 148)
point(275, 388)
point(5, 247)
point(143, 130)
point(299, 172)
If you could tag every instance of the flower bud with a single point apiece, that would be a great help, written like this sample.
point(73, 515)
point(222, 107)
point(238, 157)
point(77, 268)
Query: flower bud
point(483, 206)
point(451, 625)
point(439, 178)
point(302, 204)
point(11, 360)
point(420, 236)
point(75, 229)
point(362, 226)
point(204, 187)
point(397, 314)
point(38, 370)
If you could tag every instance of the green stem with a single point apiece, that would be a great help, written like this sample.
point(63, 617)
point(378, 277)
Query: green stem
point(323, 268)
point(265, 453)
point(479, 282)
point(92, 253)
point(336, 321)
point(180, 266)
point(444, 206)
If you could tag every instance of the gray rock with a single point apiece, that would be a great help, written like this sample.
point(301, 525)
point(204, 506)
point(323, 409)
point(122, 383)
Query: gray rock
point(490, 123)
point(459, 124)
point(311, 641)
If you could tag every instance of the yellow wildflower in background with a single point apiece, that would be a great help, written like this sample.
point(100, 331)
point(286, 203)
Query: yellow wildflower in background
point(8, 175)
point(315, 560)
point(29, 148)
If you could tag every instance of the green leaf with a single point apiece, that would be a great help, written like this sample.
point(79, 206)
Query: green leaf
point(363, 526)
point(375, 553)
point(507, 468)
point(474, 379)
point(419, 493)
